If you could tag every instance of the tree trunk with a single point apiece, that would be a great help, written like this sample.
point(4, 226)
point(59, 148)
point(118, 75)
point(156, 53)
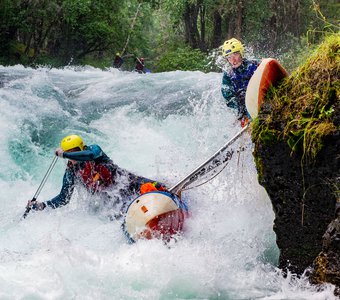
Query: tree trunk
point(28, 44)
point(238, 29)
point(274, 23)
point(190, 21)
point(131, 29)
point(202, 12)
point(294, 19)
point(217, 29)
point(230, 27)
point(194, 30)
point(186, 17)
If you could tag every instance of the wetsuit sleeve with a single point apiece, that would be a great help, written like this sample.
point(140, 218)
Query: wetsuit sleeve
point(228, 92)
point(66, 191)
point(135, 182)
point(90, 153)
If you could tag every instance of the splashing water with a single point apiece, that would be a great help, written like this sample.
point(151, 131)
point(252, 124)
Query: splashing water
point(159, 126)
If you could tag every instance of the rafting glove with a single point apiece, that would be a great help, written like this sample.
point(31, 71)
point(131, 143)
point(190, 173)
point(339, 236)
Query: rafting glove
point(59, 152)
point(38, 205)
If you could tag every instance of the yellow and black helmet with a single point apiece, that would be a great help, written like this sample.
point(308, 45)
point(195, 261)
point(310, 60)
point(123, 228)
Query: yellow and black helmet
point(72, 141)
point(231, 46)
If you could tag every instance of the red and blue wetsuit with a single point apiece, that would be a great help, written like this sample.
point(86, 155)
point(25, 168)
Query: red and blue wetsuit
point(234, 86)
point(96, 171)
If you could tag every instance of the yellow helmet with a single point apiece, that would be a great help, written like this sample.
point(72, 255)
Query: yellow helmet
point(231, 46)
point(71, 142)
point(117, 54)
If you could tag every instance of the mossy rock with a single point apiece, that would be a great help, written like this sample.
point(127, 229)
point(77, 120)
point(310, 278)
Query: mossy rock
point(305, 107)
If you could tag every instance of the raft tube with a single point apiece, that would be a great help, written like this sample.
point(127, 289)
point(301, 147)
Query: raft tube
point(269, 73)
point(155, 215)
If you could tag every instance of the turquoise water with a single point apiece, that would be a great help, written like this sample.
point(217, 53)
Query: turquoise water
point(159, 126)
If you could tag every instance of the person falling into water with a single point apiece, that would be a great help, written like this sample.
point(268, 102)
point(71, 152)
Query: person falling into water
point(93, 169)
point(235, 80)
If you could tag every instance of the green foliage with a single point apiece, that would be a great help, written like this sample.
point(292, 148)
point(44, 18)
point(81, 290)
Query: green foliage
point(11, 21)
point(89, 30)
point(185, 59)
point(321, 25)
point(175, 9)
point(297, 54)
point(143, 33)
point(306, 105)
point(73, 10)
point(268, 136)
point(255, 17)
point(88, 27)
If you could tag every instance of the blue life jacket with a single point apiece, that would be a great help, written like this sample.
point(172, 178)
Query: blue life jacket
point(234, 85)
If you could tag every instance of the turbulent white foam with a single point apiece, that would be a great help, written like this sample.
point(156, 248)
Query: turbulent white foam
point(157, 125)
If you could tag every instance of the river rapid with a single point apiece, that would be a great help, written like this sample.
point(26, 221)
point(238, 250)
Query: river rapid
point(160, 126)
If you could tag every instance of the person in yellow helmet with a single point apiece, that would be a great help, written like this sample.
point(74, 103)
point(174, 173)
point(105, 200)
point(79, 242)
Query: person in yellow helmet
point(236, 79)
point(93, 169)
point(118, 61)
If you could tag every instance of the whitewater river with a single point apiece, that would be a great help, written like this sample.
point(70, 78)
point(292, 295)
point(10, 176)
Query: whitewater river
point(159, 126)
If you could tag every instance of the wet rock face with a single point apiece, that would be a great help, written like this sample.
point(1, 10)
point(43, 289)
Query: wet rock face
point(297, 154)
point(326, 266)
point(302, 196)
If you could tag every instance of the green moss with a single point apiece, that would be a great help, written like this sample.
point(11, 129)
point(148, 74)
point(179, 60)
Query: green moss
point(268, 136)
point(259, 167)
point(303, 109)
point(184, 59)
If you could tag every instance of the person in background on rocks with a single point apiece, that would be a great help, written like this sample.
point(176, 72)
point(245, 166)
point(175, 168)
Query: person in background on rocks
point(235, 80)
point(118, 61)
point(90, 167)
point(140, 66)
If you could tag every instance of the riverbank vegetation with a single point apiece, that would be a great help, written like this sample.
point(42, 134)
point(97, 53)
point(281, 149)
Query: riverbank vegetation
point(304, 110)
point(170, 34)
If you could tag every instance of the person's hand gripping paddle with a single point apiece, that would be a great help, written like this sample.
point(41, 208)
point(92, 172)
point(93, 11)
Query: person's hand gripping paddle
point(33, 203)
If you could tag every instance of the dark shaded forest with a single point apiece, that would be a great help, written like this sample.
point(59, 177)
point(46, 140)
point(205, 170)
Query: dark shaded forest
point(170, 34)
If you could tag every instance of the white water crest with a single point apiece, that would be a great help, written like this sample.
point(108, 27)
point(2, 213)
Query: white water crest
point(160, 126)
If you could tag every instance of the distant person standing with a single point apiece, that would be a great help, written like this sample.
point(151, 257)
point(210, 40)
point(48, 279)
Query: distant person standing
point(117, 63)
point(140, 66)
point(235, 80)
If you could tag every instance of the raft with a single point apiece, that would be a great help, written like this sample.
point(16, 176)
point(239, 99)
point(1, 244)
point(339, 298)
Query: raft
point(269, 73)
point(155, 215)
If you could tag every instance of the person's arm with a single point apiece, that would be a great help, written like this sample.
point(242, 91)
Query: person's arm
point(66, 191)
point(90, 153)
point(228, 92)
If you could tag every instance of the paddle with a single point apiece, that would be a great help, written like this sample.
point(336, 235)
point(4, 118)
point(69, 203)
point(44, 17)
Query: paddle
point(28, 208)
point(210, 164)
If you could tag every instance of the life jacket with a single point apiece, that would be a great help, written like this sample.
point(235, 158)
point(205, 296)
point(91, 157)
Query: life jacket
point(151, 186)
point(118, 62)
point(139, 66)
point(240, 76)
point(95, 176)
